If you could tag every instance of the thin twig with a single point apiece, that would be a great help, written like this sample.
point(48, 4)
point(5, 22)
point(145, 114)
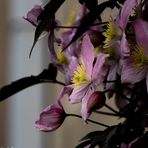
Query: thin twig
point(92, 121)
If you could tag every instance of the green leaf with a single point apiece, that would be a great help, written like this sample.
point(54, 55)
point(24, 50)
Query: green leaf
point(45, 17)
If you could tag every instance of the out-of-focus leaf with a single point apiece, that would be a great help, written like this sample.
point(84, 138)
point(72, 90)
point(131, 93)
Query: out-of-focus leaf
point(45, 17)
point(115, 3)
point(83, 144)
point(92, 134)
point(90, 4)
point(46, 75)
point(99, 138)
point(88, 20)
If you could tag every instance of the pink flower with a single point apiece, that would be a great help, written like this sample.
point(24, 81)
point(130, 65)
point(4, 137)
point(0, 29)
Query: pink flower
point(135, 68)
point(88, 75)
point(51, 118)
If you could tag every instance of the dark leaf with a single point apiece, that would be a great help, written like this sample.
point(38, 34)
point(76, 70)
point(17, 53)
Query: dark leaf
point(92, 134)
point(45, 17)
point(90, 4)
point(83, 144)
point(99, 138)
point(45, 76)
point(115, 3)
point(88, 20)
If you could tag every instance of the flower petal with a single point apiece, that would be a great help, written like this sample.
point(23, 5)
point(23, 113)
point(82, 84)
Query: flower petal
point(141, 31)
point(100, 68)
point(84, 110)
point(51, 118)
point(78, 93)
point(33, 14)
point(66, 90)
point(125, 12)
point(131, 74)
point(124, 48)
point(87, 52)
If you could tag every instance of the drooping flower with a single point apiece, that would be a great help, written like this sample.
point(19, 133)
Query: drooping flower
point(88, 75)
point(51, 118)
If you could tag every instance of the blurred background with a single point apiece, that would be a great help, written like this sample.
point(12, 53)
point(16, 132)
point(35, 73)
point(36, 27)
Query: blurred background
point(19, 112)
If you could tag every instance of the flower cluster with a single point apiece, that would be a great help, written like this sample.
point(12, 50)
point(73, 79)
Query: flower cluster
point(99, 61)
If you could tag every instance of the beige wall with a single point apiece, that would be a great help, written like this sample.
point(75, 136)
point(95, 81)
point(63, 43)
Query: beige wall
point(3, 51)
point(72, 130)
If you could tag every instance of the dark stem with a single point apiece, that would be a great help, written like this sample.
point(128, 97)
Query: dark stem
point(92, 121)
point(67, 27)
point(110, 108)
point(106, 113)
point(55, 81)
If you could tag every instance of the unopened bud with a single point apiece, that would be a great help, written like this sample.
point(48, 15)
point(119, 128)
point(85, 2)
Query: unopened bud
point(51, 118)
point(96, 101)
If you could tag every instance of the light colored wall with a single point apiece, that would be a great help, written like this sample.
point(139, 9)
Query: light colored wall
point(17, 127)
point(3, 52)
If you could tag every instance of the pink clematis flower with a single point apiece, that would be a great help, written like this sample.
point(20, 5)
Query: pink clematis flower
point(116, 41)
point(88, 75)
point(135, 68)
point(51, 118)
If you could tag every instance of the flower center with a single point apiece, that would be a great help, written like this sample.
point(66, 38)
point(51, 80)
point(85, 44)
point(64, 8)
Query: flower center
point(62, 58)
point(112, 32)
point(80, 76)
point(140, 59)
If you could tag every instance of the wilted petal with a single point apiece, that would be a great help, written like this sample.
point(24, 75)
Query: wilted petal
point(66, 90)
point(100, 68)
point(141, 32)
point(51, 118)
point(87, 52)
point(33, 14)
point(78, 93)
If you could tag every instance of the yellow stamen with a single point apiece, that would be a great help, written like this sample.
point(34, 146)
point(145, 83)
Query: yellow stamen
point(112, 32)
point(140, 59)
point(71, 18)
point(62, 58)
point(80, 76)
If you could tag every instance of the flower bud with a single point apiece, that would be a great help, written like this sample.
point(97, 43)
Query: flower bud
point(96, 101)
point(51, 118)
